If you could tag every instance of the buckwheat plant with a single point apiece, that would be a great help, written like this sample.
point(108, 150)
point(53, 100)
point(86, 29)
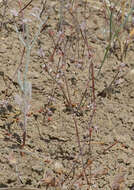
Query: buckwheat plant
point(24, 99)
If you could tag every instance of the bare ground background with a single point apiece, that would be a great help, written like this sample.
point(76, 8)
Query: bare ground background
point(51, 154)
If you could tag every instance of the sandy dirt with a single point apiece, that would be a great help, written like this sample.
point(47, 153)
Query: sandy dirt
point(51, 158)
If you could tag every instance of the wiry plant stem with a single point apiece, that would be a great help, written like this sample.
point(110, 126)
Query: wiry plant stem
point(25, 85)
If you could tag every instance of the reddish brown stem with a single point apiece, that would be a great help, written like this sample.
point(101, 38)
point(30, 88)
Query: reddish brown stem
point(25, 6)
point(110, 146)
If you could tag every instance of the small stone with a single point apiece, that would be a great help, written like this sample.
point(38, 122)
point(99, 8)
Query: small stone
point(120, 161)
point(58, 167)
point(130, 76)
point(1, 136)
point(37, 169)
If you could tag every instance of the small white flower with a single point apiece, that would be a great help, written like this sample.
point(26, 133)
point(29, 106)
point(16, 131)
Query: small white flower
point(83, 25)
point(26, 20)
point(41, 52)
point(14, 12)
point(36, 12)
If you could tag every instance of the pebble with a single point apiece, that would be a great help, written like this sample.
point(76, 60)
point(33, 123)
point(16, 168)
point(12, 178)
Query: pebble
point(37, 168)
point(58, 167)
point(130, 76)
